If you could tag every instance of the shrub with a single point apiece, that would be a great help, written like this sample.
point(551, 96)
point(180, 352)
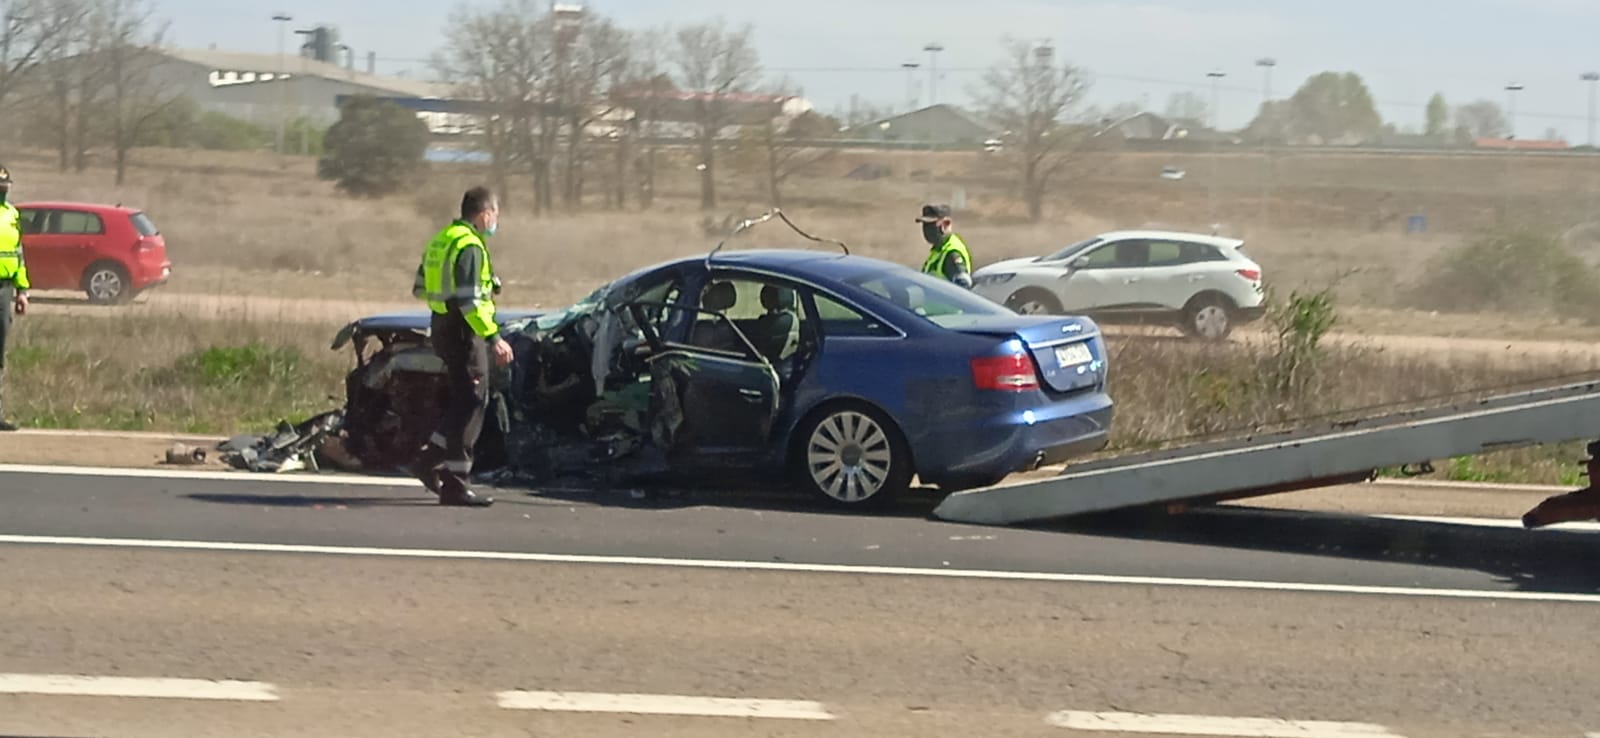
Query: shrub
point(374, 147)
point(1517, 270)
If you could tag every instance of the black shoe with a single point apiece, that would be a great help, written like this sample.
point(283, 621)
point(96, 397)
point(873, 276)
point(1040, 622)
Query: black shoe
point(464, 498)
point(6, 425)
point(426, 468)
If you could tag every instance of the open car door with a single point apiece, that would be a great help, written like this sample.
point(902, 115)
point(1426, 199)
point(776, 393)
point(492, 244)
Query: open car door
point(714, 395)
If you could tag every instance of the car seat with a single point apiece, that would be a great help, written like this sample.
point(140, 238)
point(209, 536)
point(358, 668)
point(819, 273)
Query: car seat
point(777, 331)
point(712, 333)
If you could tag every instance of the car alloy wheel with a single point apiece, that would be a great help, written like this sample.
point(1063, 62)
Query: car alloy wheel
point(1032, 307)
point(849, 457)
point(1211, 322)
point(106, 285)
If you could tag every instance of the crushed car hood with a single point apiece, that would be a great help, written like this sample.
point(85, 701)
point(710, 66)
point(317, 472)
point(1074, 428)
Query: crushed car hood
point(417, 321)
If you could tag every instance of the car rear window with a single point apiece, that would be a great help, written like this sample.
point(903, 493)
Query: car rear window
point(935, 300)
point(145, 226)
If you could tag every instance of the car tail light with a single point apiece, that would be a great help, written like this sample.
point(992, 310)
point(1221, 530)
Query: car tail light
point(1253, 275)
point(143, 245)
point(1010, 373)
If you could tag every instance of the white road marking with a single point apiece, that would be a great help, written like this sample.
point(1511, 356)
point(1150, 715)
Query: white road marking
point(1491, 522)
point(1127, 722)
point(1025, 576)
point(663, 704)
point(104, 686)
point(353, 480)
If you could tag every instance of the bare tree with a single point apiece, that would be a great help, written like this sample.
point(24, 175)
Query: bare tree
point(592, 59)
point(780, 146)
point(1034, 101)
point(136, 90)
point(714, 65)
point(35, 32)
point(503, 57)
point(644, 91)
point(1188, 106)
point(1483, 119)
point(61, 90)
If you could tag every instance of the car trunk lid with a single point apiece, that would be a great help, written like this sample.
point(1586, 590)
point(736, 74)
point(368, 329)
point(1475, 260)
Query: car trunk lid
point(1065, 350)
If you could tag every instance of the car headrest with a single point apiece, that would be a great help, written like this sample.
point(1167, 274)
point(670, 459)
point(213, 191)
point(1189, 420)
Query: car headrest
point(719, 297)
point(776, 298)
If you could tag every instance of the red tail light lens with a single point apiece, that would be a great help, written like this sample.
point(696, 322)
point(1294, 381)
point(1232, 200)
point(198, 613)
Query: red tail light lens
point(143, 245)
point(1253, 275)
point(1013, 373)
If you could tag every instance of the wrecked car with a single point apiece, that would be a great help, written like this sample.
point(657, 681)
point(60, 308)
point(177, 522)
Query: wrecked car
point(844, 375)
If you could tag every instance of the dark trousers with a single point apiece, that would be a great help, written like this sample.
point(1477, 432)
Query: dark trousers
point(8, 295)
point(466, 361)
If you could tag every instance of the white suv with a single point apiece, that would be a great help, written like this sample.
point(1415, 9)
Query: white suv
point(1203, 284)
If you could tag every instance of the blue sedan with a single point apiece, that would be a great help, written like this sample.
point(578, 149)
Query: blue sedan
point(847, 375)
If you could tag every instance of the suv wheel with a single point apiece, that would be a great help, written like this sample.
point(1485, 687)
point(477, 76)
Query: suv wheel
point(1208, 317)
point(1033, 301)
point(107, 283)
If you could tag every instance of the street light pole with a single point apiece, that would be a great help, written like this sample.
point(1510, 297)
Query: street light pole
point(933, 50)
point(911, 84)
point(1511, 139)
point(1216, 132)
point(1266, 63)
point(282, 19)
point(1591, 78)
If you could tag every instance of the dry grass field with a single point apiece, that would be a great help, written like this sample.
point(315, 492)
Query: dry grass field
point(254, 226)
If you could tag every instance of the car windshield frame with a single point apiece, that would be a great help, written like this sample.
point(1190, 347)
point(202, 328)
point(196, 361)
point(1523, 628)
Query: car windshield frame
point(1073, 250)
point(960, 306)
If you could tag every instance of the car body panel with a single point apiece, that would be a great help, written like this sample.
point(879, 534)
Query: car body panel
point(1131, 274)
point(62, 240)
point(734, 353)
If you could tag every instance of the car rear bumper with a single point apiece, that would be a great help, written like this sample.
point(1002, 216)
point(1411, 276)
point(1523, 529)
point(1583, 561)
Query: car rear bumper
point(148, 275)
point(1016, 441)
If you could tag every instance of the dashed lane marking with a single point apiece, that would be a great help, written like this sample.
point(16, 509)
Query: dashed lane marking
point(1206, 725)
point(158, 688)
point(662, 704)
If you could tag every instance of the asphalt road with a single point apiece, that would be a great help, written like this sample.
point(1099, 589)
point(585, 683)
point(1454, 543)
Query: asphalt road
point(359, 610)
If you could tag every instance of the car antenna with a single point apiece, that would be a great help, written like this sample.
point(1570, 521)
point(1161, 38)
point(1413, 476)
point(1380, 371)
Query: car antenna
point(749, 223)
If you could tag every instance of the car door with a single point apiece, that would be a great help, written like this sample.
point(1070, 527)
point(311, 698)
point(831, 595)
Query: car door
point(1163, 281)
point(715, 394)
point(43, 249)
point(1100, 280)
point(62, 247)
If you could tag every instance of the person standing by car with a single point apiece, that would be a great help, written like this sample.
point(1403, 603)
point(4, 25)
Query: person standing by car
point(457, 280)
point(13, 275)
point(948, 256)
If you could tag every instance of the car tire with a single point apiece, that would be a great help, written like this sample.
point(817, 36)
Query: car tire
point(1209, 318)
point(107, 283)
point(852, 456)
point(1033, 301)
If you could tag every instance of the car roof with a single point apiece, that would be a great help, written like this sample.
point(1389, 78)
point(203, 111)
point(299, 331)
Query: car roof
point(814, 263)
point(72, 205)
point(1205, 238)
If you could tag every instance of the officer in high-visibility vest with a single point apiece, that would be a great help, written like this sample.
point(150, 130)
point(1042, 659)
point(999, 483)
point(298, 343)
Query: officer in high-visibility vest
point(13, 274)
point(458, 282)
point(948, 256)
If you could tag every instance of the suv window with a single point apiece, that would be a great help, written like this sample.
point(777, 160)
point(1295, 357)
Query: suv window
point(143, 224)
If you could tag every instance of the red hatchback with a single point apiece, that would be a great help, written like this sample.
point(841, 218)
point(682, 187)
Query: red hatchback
point(110, 252)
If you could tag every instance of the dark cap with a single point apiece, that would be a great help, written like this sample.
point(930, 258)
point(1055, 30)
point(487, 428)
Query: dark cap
point(931, 213)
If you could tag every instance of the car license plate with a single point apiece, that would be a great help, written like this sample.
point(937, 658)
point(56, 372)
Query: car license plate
point(1073, 354)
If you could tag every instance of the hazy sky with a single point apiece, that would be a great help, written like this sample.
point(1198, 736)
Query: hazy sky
point(1135, 50)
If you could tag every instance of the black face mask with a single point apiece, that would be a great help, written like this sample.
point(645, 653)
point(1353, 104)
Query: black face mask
point(932, 233)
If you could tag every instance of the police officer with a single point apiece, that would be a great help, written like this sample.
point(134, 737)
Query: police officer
point(458, 282)
point(13, 273)
point(948, 256)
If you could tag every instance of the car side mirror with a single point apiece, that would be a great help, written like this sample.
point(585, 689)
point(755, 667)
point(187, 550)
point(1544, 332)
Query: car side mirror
point(1081, 262)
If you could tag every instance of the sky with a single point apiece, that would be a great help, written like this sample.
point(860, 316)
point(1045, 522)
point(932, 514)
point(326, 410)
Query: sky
point(1139, 51)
